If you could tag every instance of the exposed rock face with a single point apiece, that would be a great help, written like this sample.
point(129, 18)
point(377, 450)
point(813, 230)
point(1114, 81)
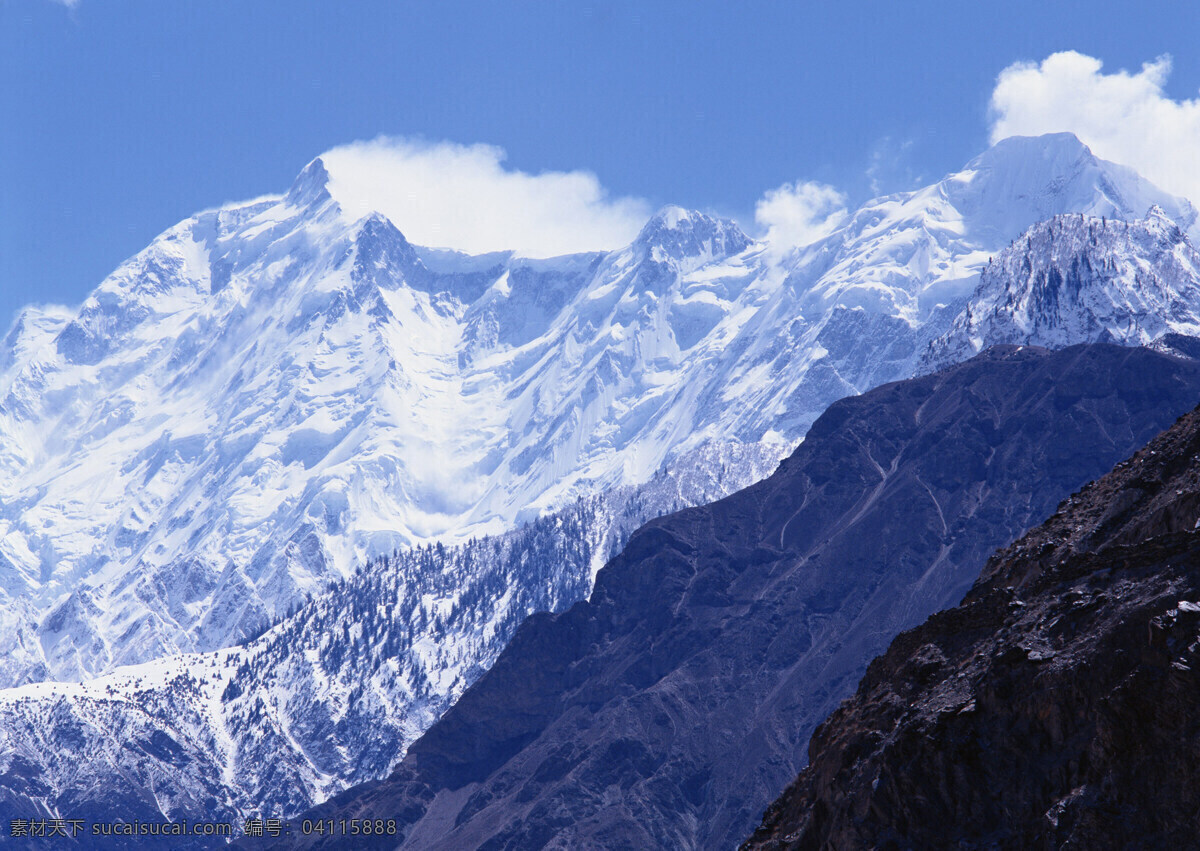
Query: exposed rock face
point(1057, 707)
point(670, 708)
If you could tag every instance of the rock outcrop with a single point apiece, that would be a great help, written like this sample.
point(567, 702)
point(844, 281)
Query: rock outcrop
point(1057, 707)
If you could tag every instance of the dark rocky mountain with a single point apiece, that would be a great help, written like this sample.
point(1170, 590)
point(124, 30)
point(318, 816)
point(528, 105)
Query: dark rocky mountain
point(670, 708)
point(1057, 707)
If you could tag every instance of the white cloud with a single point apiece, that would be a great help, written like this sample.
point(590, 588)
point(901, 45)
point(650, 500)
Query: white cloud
point(799, 213)
point(1123, 117)
point(463, 196)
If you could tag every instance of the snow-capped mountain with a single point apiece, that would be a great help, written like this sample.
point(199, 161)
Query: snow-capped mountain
point(271, 396)
point(334, 693)
point(1079, 278)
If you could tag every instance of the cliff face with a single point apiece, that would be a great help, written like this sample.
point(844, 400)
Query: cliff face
point(671, 707)
point(1057, 707)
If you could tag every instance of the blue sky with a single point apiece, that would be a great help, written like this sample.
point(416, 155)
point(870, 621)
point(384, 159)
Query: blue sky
point(118, 119)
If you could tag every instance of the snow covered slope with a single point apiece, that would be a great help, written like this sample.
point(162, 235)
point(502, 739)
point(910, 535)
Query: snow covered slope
point(269, 394)
point(1079, 278)
point(334, 693)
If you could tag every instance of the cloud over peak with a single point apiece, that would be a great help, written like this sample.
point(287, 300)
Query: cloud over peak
point(1124, 117)
point(443, 194)
point(799, 213)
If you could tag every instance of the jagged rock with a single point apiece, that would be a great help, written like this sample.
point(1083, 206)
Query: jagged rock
point(1056, 707)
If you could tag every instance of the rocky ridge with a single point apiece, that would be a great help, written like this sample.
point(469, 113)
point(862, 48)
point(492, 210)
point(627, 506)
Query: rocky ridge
point(1055, 708)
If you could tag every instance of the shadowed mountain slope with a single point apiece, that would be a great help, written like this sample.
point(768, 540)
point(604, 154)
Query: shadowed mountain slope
point(1055, 708)
point(671, 707)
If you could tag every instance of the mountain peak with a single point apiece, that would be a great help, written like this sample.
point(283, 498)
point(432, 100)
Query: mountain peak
point(1079, 278)
point(672, 216)
point(679, 233)
point(1054, 157)
point(377, 224)
point(311, 185)
point(1162, 223)
point(1059, 147)
point(1026, 179)
point(383, 249)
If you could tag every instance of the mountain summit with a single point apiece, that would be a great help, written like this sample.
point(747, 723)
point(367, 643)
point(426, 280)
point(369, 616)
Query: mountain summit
point(1026, 179)
point(311, 186)
point(687, 236)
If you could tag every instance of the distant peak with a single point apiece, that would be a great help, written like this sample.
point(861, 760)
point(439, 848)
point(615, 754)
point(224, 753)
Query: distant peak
point(672, 217)
point(376, 222)
point(1025, 179)
point(376, 229)
point(1036, 159)
point(310, 186)
point(381, 245)
point(1049, 144)
point(1057, 154)
point(680, 233)
point(1157, 213)
point(1161, 222)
